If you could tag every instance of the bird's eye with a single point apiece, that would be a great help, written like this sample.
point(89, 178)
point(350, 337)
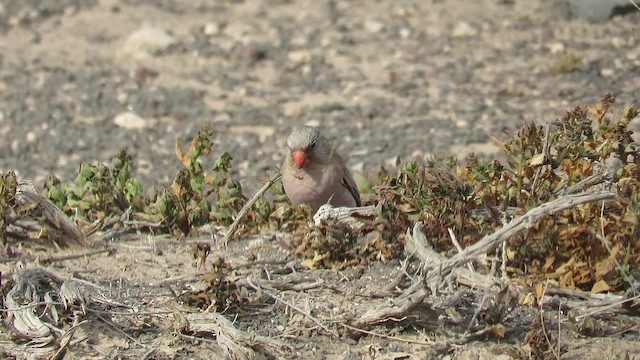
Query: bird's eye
point(312, 145)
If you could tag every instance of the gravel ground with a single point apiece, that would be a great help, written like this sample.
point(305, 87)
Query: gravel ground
point(80, 79)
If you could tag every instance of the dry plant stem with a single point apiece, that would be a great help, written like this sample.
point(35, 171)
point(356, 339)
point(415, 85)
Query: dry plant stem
point(394, 308)
point(607, 307)
point(583, 184)
point(228, 338)
point(296, 308)
point(544, 330)
point(343, 215)
point(390, 288)
point(489, 242)
point(134, 313)
point(437, 267)
point(635, 4)
point(408, 341)
point(417, 245)
point(245, 209)
point(285, 285)
point(438, 345)
point(72, 235)
point(52, 259)
point(455, 242)
point(477, 310)
point(503, 265)
point(68, 336)
point(546, 150)
point(237, 343)
point(559, 328)
point(12, 260)
point(121, 331)
point(480, 281)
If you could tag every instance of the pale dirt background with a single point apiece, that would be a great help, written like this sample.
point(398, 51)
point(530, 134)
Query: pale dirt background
point(383, 78)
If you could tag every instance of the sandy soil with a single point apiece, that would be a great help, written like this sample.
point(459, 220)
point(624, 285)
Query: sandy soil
point(384, 79)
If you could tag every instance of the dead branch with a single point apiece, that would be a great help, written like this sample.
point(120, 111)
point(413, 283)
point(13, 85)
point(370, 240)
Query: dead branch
point(438, 346)
point(236, 343)
point(436, 267)
point(397, 307)
point(68, 233)
point(52, 259)
point(350, 216)
point(124, 333)
point(586, 183)
point(285, 285)
point(489, 242)
point(33, 313)
point(546, 152)
point(67, 338)
point(391, 288)
point(544, 330)
point(605, 308)
point(294, 307)
point(245, 209)
point(418, 246)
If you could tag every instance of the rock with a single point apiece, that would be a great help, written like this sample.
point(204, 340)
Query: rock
point(556, 48)
point(31, 137)
point(592, 10)
point(607, 72)
point(212, 28)
point(146, 41)
point(618, 42)
point(291, 109)
point(129, 120)
point(313, 122)
point(299, 57)
point(373, 26)
point(463, 29)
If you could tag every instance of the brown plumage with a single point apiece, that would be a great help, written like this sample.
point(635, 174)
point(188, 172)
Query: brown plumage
point(314, 174)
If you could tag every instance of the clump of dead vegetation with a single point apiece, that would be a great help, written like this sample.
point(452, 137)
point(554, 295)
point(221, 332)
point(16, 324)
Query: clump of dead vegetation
point(555, 215)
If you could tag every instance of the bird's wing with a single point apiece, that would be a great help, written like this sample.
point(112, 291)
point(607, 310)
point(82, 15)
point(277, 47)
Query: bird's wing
point(347, 180)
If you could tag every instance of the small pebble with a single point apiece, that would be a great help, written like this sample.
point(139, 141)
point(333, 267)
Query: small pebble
point(129, 120)
point(373, 26)
point(464, 29)
point(146, 41)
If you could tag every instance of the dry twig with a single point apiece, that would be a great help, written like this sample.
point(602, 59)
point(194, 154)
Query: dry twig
point(52, 259)
point(344, 215)
point(544, 329)
point(397, 307)
point(65, 232)
point(237, 344)
point(489, 242)
point(294, 307)
point(245, 209)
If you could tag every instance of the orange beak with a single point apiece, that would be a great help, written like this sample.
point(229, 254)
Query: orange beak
point(300, 158)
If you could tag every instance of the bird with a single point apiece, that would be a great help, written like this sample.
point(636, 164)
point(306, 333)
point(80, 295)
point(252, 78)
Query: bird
point(313, 173)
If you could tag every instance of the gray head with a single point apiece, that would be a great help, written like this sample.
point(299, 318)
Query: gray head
point(306, 144)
